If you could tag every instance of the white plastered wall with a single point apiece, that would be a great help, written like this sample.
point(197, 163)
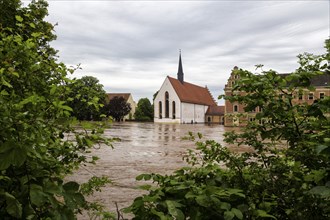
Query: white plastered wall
point(193, 113)
point(167, 86)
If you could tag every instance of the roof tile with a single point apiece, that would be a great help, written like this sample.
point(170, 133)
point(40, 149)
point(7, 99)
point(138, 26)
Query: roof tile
point(191, 93)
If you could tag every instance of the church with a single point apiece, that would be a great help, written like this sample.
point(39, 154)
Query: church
point(178, 101)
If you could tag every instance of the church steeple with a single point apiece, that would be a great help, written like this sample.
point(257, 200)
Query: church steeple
point(180, 70)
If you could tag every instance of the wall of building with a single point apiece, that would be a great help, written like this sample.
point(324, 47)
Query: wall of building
point(236, 116)
point(133, 108)
point(160, 97)
point(193, 113)
point(214, 119)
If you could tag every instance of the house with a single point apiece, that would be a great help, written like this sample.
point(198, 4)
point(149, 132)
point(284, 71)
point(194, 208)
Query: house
point(235, 114)
point(129, 99)
point(215, 115)
point(178, 101)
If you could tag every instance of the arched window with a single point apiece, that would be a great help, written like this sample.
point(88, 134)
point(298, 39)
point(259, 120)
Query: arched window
point(160, 109)
point(235, 108)
point(173, 109)
point(167, 105)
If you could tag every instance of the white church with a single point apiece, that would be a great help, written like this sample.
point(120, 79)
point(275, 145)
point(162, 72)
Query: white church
point(178, 101)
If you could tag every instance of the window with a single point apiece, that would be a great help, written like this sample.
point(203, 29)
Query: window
point(260, 109)
point(300, 96)
point(310, 96)
point(160, 109)
point(235, 108)
point(167, 105)
point(321, 95)
point(173, 109)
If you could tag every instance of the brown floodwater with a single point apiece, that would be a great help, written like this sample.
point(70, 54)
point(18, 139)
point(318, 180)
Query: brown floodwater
point(144, 148)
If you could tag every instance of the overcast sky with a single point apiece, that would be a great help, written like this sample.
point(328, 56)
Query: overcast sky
point(131, 46)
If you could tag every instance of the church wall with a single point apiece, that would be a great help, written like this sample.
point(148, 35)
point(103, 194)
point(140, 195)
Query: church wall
point(193, 113)
point(167, 87)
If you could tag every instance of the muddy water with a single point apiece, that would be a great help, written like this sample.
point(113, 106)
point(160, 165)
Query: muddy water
point(144, 148)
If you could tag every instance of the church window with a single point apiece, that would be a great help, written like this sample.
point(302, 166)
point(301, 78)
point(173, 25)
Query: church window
point(235, 108)
point(160, 109)
point(167, 105)
point(173, 109)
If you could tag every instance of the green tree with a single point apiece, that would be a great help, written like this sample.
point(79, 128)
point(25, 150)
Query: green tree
point(34, 116)
point(283, 175)
point(117, 108)
point(144, 110)
point(87, 96)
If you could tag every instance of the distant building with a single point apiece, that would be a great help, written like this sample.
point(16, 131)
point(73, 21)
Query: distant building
point(178, 101)
point(215, 115)
point(235, 114)
point(129, 99)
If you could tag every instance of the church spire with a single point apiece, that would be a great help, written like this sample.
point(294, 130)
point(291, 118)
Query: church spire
point(180, 70)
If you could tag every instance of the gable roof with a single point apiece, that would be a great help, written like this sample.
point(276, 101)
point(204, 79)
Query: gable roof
point(191, 93)
point(124, 95)
point(215, 110)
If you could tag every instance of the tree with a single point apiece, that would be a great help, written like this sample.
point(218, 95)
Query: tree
point(144, 110)
point(117, 108)
point(34, 116)
point(284, 175)
point(87, 95)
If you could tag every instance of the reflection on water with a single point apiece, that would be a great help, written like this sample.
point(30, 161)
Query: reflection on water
point(144, 148)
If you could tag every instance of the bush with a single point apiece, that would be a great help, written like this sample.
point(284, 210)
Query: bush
point(286, 174)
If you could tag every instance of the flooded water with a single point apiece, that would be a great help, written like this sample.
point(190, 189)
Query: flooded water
point(144, 148)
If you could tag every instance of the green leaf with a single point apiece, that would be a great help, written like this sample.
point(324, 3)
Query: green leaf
point(11, 154)
point(264, 214)
point(321, 148)
point(145, 187)
point(32, 25)
point(173, 209)
point(51, 187)
point(65, 107)
point(5, 83)
point(37, 196)
point(228, 215)
point(71, 186)
point(225, 206)
point(203, 200)
point(53, 90)
point(18, 18)
point(237, 213)
point(161, 215)
point(4, 93)
point(143, 176)
point(14, 208)
point(322, 191)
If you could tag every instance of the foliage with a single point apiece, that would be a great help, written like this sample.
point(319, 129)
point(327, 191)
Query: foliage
point(38, 146)
point(117, 108)
point(144, 110)
point(285, 175)
point(86, 98)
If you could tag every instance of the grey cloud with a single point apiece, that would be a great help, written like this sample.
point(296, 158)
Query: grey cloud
point(133, 45)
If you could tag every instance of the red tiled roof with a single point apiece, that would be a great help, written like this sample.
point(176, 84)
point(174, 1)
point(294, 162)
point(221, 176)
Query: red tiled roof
point(191, 93)
point(215, 110)
point(124, 95)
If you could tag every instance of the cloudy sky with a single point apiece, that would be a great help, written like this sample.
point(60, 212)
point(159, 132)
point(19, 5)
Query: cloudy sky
point(131, 46)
